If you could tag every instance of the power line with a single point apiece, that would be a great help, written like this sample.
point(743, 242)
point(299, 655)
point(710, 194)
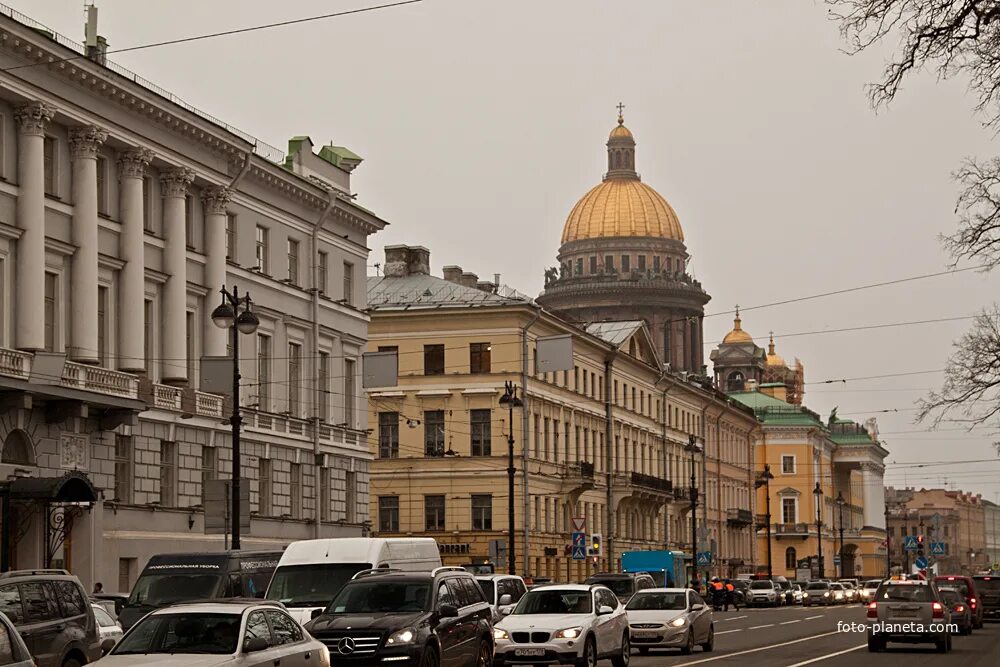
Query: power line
point(875, 377)
point(223, 33)
point(869, 327)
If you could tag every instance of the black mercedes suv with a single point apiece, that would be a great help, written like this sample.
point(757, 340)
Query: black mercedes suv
point(412, 618)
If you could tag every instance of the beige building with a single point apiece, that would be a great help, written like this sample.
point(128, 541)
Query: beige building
point(603, 441)
point(954, 518)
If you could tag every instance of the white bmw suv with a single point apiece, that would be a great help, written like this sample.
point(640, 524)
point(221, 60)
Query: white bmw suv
point(564, 624)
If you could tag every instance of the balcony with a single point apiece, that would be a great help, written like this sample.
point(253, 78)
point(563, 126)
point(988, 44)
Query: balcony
point(760, 522)
point(184, 400)
point(82, 377)
point(739, 517)
point(578, 477)
point(664, 486)
point(792, 530)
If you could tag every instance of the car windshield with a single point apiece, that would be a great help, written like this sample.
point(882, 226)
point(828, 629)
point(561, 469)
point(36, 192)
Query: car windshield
point(160, 590)
point(847, 584)
point(381, 597)
point(620, 587)
point(658, 601)
point(817, 587)
point(313, 585)
point(103, 618)
point(182, 633)
point(991, 584)
point(488, 589)
point(757, 585)
point(904, 593)
point(555, 601)
point(950, 596)
point(874, 583)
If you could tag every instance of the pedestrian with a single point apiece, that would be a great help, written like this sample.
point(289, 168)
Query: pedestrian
point(717, 592)
point(731, 596)
point(98, 588)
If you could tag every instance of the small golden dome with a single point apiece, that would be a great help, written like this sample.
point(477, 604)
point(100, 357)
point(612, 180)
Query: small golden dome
point(773, 359)
point(620, 131)
point(737, 335)
point(622, 207)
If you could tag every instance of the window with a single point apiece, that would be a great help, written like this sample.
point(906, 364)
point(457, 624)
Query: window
point(147, 204)
point(656, 263)
point(264, 503)
point(324, 385)
point(190, 347)
point(261, 249)
point(350, 496)
point(102, 185)
point(787, 465)
point(349, 392)
point(736, 381)
point(102, 326)
point(641, 263)
point(593, 264)
point(578, 268)
point(123, 468)
point(264, 372)
point(295, 490)
point(482, 512)
point(481, 432)
point(348, 283)
point(39, 602)
point(189, 221)
point(626, 263)
point(790, 560)
point(257, 627)
point(231, 237)
point(788, 510)
point(322, 273)
point(10, 603)
point(434, 433)
point(286, 631)
point(126, 570)
point(388, 435)
point(148, 333)
point(479, 357)
point(168, 464)
point(294, 378)
point(325, 485)
point(609, 262)
point(70, 597)
point(433, 359)
point(50, 312)
point(388, 514)
point(434, 513)
point(209, 465)
point(50, 166)
point(293, 261)
point(8, 654)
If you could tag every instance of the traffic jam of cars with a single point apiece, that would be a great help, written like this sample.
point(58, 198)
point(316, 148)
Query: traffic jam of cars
point(368, 601)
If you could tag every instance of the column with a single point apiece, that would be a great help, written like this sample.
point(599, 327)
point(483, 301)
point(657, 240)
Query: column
point(132, 278)
point(29, 272)
point(174, 184)
point(216, 199)
point(872, 496)
point(83, 145)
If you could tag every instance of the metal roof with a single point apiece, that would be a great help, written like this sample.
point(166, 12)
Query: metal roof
point(422, 291)
point(615, 333)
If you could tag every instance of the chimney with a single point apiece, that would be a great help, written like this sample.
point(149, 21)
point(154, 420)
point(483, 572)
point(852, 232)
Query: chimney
point(453, 274)
point(96, 46)
point(487, 286)
point(404, 260)
point(470, 279)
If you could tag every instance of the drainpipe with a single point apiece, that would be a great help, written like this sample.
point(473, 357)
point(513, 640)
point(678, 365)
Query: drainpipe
point(525, 426)
point(314, 370)
point(723, 524)
point(609, 438)
point(704, 482)
point(662, 416)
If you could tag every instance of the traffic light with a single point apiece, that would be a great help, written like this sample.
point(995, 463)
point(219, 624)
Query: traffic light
point(595, 544)
point(920, 545)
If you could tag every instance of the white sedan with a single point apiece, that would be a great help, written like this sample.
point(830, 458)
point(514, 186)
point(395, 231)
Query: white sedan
point(111, 631)
point(670, 618)
point(216, 634)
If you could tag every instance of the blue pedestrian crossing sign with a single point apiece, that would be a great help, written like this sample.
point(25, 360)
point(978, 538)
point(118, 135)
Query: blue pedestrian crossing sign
point(937, 548)
point(921, 562)
point(910, 543)
point(704, 558)
point(579, 550)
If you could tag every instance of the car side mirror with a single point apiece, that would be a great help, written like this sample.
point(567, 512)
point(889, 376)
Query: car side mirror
point(697, 607)
point(507, 611)
point(316, 613)
point(255, 644)
point(448, 611)
point(604, 610)
point(505, 600)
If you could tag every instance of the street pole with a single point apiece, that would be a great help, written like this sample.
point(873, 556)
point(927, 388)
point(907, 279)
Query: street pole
point(888, 544)
point(840, 518)
point(818, 493)
point(765, 480)
point(511, 400)
point(692, 447)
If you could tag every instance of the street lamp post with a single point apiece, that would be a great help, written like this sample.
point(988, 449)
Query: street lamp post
point(511, 400)
point(235, 314)
point(818, 493)
point(840, 518)
point(765, 481)
point(692, 448)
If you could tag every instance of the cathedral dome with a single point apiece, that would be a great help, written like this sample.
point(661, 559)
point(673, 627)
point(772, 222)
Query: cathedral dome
point(773, 359)
point(737, 335)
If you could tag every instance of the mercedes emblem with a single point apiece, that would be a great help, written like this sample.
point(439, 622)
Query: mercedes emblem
point(345, 646)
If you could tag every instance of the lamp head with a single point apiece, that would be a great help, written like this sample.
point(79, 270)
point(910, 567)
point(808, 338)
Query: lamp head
point(223, 316)
point(817, 491)
point(247, 322)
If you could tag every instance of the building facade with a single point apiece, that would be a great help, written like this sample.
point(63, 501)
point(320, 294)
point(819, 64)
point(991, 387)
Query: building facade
point(954, 518)
point(991, 522)
point(602, 441)
point(122, 213)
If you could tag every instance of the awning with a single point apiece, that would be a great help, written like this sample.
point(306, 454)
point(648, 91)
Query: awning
point(73, 487)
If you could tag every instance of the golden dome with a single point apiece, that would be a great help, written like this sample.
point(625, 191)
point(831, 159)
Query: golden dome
point(622, 207)
point(773, 359)
point(737, 335)
point(620, 131)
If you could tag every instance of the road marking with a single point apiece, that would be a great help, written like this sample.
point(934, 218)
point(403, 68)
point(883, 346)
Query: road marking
point(731, 618)
point(798, 620)
point(829, 655)
point(760, 648)
point(809, 618)
point(726, 632)
point(755, 627)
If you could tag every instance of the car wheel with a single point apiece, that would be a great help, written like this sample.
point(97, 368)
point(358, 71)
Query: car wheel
point(485, 658)
point(72, 662)
point(689, 646)
point(947, 644)
point(430, 657)
point(589, 658)
point(621, 660)
point(941, 645)
point(875, 645)
point(710, 640)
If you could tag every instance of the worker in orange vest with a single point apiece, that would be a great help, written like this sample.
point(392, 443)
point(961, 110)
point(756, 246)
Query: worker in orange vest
point(731, 596)
point(717, 592)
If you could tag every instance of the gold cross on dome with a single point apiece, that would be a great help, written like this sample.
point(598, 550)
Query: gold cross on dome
point(737, 310)
point(621, 107)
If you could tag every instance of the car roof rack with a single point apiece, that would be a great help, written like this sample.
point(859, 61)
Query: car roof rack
point(373, 571)
point(30, 573)
point(448, 568)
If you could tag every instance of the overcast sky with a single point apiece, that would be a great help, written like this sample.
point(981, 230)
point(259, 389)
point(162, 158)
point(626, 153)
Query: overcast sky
point(482, 122)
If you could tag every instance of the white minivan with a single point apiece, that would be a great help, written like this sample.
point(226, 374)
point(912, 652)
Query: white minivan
point(311, 572)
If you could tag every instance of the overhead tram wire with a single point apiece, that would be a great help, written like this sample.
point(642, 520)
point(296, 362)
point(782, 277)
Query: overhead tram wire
point(222, 33)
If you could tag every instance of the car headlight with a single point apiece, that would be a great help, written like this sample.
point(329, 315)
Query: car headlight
point(678, 622)
point(500, 633)
point(568, 633)
point(826, 595)
point(405, 636)
point(805, 595)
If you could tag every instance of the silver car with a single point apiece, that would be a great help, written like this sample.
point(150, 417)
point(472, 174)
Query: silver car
point(108, 627)
point(911, 612)
point(670, 618)
point(12, 647)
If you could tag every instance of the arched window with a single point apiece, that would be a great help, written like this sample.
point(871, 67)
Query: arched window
point(628, 159)
point(17, 449)
point(618, 159)
point(736, 382)
point(790, 559)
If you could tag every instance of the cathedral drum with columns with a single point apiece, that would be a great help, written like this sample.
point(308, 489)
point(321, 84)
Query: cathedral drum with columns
point(622, 257)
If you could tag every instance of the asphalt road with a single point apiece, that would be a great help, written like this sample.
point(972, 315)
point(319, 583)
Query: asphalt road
point(797, 636)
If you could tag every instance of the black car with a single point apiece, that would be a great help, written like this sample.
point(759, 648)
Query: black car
point(420, 618)
point(988, 587)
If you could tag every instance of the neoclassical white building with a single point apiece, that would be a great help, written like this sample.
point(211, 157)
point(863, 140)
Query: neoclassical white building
point(122, 212)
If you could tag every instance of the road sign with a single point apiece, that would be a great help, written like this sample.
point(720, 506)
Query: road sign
point(704, 558)
point(579, 524)
point(937, 548)
point(579, 552)
point(579, 539)
point(910, 543)
point(920, 562)
point(836, 559)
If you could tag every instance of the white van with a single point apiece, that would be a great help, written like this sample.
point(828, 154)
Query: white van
point(311, 572)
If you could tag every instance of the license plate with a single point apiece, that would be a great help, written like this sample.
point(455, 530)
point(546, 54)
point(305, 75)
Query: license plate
point(643, 635)
point(905, 614)
point(529, 652)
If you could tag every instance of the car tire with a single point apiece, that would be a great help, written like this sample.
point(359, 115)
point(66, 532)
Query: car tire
point(689, 646)
point(430, 658)
point(947, 644)
point(941, 645)
point(589, 658)
point(710, 640)
point(485, 654)
point(621, 660)
point(72, 662)
point(875, 645)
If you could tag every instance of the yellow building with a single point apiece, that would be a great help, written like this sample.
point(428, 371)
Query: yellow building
point(604, 439)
